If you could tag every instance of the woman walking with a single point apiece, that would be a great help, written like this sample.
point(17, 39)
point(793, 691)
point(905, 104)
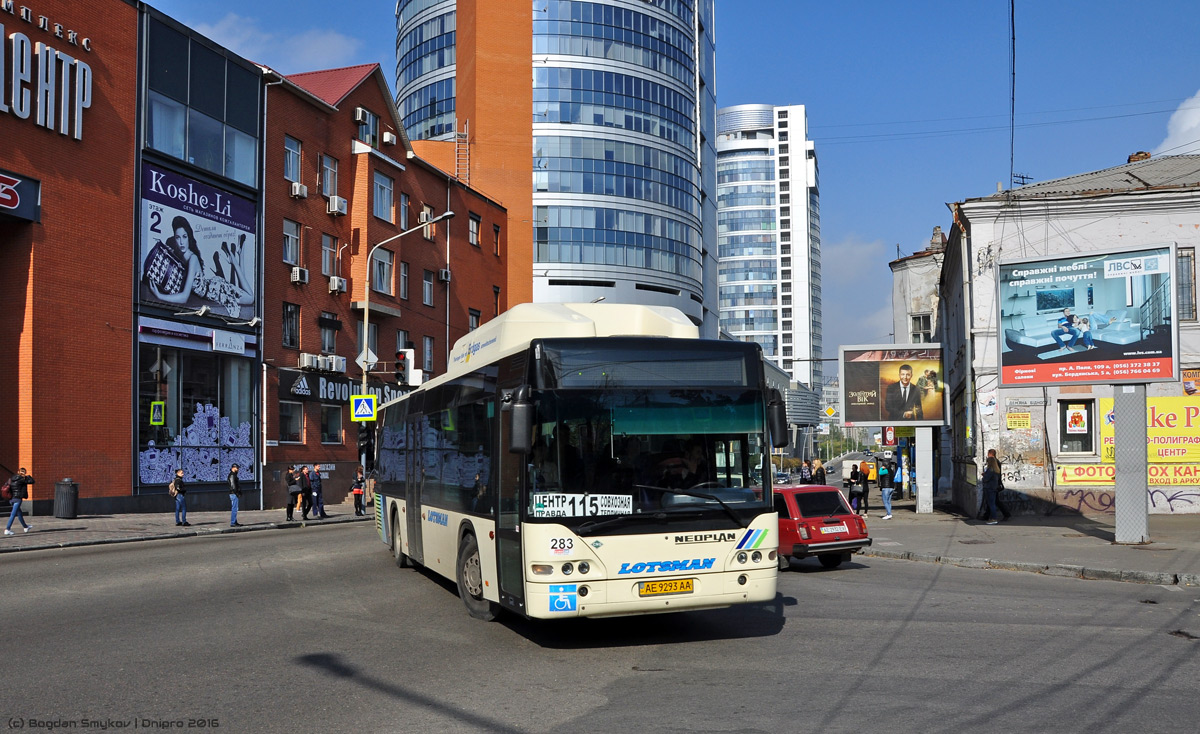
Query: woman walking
point(18, 485)
point(818, 472)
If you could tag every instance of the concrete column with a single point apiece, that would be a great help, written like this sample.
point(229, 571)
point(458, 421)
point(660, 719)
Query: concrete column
point(1132, 502)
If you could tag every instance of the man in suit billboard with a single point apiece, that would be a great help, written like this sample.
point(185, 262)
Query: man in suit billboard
point(903, 399)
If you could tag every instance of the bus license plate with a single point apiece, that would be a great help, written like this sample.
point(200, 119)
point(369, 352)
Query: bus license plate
point(659, 588)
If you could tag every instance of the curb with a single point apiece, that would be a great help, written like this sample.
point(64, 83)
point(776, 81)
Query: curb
point(1062, 570)
point(188, 534)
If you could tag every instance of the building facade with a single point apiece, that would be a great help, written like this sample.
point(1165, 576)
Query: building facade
point(341, 182)
point(769, 235)
point(605, 163)
point(1052, 439)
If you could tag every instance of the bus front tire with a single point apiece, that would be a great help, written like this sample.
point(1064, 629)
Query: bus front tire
point(470, 580)
point(402, 559)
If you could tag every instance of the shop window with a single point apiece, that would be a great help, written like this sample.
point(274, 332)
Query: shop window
point(291, 422)
point(291, 158)
point(1075, 426)
point(331, 424)
point(291, 325)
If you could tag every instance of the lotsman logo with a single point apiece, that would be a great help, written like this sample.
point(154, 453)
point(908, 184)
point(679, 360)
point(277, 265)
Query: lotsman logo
point(695, 564)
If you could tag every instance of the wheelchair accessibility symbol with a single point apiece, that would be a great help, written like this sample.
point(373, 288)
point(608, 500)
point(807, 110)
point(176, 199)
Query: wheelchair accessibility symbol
point(563, 597)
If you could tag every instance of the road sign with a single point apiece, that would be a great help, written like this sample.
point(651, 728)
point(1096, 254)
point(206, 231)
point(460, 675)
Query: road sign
point(830, 411)
point(366, 359)
point(158, 412)
point(362, 408)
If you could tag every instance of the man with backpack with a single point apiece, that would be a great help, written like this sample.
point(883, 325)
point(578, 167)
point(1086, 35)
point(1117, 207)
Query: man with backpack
point(178, 490)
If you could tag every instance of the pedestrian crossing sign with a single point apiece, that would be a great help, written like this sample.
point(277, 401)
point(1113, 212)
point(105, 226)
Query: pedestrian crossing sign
point(362, 408)
point(158, 412)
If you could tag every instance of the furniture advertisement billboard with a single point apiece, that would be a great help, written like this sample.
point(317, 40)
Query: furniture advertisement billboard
point(1088, 318)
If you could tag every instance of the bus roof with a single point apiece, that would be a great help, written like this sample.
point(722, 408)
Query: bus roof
point(514, 329)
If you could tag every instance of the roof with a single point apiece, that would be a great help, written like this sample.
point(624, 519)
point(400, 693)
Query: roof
point(1163, 173)
point(332, 85)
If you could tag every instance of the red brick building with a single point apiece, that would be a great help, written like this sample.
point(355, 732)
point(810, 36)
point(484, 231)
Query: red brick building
point(340, 179)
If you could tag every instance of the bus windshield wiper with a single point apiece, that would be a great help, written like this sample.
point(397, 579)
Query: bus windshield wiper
point(701, 495)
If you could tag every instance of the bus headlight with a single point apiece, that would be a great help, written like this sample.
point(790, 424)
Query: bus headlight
point(741, 557)
point(584, 567)
point(756, 556)
point(567, 569)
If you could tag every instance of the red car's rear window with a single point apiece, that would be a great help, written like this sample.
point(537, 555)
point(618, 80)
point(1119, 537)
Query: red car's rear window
point(817, 504)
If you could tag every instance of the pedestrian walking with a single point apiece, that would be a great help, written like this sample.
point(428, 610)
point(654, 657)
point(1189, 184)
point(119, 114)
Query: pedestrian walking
point(806, 472)
point(318, 494)
point(887, 484)
point(818, 474)
point(179, 490)
point(855, 489)
point(293, 489)
point(992, 483)
point(864, 480)
point(19, 485)
point(235, 494)
point(357, 488)
point(305, 492)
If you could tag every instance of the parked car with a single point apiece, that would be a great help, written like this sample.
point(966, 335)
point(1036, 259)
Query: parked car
point(814, 520)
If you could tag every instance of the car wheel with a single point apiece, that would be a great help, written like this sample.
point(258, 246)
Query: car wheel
point(831, 560)
point(470, 580)
point(402, 559)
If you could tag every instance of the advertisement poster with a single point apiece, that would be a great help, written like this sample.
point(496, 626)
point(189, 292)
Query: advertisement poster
point(892, 385)
point(1098, 318)
point(198, 245)
point(1172, 430)
point(1077, 419)
point(1191, 379)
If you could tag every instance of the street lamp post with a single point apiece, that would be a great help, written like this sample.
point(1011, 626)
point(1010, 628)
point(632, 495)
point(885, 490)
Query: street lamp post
point(367, 297)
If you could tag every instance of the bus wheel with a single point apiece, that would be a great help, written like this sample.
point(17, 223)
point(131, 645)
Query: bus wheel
point(470, 580)
point(402, 560)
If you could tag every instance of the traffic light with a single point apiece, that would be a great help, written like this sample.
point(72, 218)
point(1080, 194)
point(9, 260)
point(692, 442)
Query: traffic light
point(366, 445)
point(404, 360)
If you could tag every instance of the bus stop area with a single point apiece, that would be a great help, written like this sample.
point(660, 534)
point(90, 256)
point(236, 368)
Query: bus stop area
point(1074, 546)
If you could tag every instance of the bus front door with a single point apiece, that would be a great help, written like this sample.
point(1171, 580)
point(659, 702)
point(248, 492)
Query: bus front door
point(412, 489)
point(508, 524)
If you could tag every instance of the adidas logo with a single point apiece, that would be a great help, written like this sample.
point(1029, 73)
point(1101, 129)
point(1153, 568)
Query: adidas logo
point(300, 387)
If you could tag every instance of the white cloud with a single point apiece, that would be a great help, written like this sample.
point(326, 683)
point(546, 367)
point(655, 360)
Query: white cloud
point(287, 52)
point(856, 294)
point(1183, 129)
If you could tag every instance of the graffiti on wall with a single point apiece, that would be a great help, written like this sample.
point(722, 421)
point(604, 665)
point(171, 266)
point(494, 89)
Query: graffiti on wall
point(1099, 500)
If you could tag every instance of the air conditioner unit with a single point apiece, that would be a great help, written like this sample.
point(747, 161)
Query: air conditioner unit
point(423, 217)
point(299, 275)
point(338, 363)
point(324, 363)
point(360, 114)
point(389, 138)
point(336, 284)
point(299, 190)
point(309, 361)
point(444, 275)
point(337, 205)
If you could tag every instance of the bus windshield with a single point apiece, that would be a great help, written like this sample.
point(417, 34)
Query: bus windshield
point(662, 452)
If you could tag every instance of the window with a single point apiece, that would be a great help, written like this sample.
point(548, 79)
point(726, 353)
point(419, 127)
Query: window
point(496, 239)
point(328, 332)
point(291, 325)
point(1185, 272)
point(403, 211)
point(374, 344)
point(1075, 426)
point(404, 280)
point(291, 422)
point(472, 319)
point(291, 158)
point(922, 330)
point(427, 357)
point(402, 339)
point(328, 176)
point(381, 271)
point(328, 254)
point(495, 300)
point(473, 232)
point(782, 137)
point(381, 197)
point(291, 242)
point(427, 213)
point(331, 424)
point(368, 130)
point(427, 288)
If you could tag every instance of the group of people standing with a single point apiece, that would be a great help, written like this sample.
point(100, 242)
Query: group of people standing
point(860, 486)
point(305, 492)
point(178, 490)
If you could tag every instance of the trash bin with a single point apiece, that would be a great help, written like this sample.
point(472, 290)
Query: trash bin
point(66, 498)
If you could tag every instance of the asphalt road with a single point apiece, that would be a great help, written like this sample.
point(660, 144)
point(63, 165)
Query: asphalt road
point(315, 630)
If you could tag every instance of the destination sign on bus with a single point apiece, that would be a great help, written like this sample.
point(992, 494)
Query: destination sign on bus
point(558, 504)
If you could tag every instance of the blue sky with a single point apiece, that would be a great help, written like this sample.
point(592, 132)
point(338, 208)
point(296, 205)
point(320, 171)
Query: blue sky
point(908, 102)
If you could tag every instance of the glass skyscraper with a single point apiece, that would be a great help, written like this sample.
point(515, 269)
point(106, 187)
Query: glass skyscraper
point(769, 235)
point(619, 145)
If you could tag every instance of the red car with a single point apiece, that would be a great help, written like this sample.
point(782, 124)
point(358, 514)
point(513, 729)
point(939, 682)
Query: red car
point(814, 520)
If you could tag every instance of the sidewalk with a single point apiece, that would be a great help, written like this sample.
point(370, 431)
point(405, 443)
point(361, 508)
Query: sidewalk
point(54, 532)
point(1075, 546)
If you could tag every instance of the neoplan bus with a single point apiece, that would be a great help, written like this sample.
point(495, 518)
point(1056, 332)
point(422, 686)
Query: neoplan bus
point(587, 460)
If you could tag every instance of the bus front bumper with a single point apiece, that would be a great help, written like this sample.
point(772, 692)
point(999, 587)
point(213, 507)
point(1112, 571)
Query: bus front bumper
point(617, 597)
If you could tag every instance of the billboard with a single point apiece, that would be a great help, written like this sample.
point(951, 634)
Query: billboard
point(1099, 317)
point(892, 385)
point(197, 245)
point(1172, 430)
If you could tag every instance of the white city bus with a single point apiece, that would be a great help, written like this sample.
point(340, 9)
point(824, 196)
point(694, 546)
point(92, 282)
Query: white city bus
point(586, 460)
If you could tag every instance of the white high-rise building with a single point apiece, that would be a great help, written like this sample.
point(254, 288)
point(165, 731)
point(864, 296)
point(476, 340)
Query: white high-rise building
point(769, 235)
